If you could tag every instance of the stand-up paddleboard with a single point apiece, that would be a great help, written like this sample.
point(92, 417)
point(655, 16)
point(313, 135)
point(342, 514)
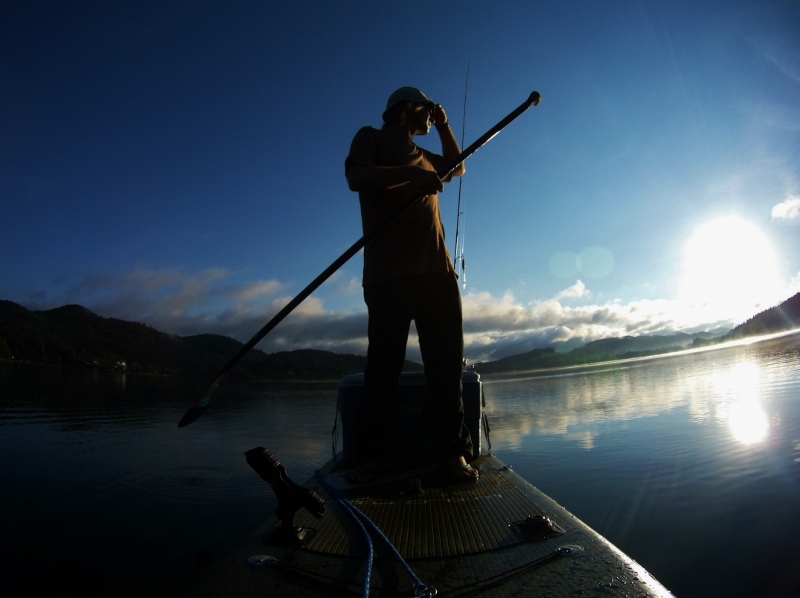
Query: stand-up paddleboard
point(418, 531)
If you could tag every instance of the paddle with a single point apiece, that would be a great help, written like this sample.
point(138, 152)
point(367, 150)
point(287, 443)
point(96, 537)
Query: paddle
point(205, 399)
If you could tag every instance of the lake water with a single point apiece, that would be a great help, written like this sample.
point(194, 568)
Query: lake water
point(689, 463)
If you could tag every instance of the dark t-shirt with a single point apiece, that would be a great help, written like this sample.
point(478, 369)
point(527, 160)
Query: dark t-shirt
point(412, 243)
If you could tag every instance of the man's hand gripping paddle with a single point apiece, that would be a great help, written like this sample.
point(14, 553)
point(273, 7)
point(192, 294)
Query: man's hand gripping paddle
point(202, 403)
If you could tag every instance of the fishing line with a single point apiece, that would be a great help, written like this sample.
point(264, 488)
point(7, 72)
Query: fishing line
point(458, 252)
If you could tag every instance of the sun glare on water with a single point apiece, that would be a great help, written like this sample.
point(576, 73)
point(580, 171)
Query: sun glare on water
point(739, 393)
point(730, 268)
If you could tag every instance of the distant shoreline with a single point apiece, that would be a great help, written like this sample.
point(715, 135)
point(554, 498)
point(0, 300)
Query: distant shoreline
point(504, 376)
point(577, 369)
point(234, 380)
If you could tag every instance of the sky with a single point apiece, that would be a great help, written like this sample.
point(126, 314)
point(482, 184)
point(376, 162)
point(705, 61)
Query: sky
point(180, 163)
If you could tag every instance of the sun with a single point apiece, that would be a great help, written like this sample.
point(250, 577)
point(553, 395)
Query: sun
point(730, 268)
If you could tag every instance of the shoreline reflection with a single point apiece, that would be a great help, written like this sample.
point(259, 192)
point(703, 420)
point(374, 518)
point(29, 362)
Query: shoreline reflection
point(723, 386)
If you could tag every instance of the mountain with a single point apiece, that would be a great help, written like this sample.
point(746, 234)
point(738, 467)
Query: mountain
point(532, 360)
point(785, 316)
point(606, 349)
point(641, 344)
point(76, 337)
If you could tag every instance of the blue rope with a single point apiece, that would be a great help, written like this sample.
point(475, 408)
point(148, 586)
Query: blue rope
point(348, 508)
point(420, 589)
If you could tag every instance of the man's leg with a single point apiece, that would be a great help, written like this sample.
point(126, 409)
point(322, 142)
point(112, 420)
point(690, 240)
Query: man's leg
point(441, 337)
point(389, 323)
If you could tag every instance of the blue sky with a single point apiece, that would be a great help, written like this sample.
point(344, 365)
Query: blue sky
point(180, 163)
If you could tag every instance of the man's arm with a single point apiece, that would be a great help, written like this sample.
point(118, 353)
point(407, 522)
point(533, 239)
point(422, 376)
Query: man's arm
point(450, 148)
point(375, 178)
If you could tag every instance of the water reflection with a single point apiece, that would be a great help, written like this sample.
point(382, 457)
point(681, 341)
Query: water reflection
point(726, 387)
point(673, 459)
point(737, 391)
point(748, 422)
point(578, 406)
point(668, 458)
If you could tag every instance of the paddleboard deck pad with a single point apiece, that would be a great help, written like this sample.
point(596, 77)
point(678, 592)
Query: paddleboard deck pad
point(497, 536)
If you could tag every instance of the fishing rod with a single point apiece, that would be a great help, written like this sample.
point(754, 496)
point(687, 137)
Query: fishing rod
point(458, 254)
point(204, 400)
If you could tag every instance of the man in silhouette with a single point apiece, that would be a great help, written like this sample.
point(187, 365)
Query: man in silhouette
point(408, 275)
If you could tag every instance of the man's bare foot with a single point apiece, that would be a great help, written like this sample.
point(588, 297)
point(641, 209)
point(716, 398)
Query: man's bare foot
point(460, 470)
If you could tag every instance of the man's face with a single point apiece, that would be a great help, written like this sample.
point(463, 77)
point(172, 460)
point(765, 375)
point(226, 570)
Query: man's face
point(420, 118)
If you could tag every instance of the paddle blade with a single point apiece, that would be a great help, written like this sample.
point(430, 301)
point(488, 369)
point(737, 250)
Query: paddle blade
point(200, 405)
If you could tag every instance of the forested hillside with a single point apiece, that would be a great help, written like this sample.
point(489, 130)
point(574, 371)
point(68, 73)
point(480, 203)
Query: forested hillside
point(785, 316)
point(73, 336)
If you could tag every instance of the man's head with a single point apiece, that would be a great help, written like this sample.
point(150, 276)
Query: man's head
point(402, 101)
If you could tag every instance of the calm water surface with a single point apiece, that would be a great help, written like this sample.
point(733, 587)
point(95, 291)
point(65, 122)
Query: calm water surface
point(688, 463)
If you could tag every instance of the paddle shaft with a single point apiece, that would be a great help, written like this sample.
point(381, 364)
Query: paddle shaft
point(202, 403)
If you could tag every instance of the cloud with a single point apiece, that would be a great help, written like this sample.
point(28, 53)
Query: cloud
point(211, 302)
point(495, 327)
point(173, 300)
point(257, 289)
point(789, 209)
point(576, 290)
point(344, 285)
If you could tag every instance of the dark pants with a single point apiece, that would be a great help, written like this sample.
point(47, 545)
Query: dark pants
point(434, 303)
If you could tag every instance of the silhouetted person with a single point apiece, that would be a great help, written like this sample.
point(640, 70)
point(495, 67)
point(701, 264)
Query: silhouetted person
point(408, 275)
